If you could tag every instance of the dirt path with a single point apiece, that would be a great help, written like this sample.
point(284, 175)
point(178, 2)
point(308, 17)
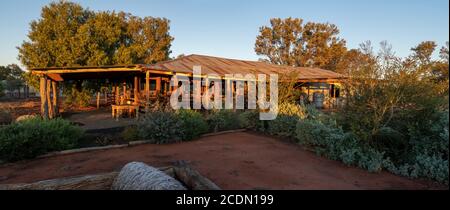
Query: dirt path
point(99, 119)
point(232, 161)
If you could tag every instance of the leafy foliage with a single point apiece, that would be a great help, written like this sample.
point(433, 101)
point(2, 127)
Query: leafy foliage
point(333, 143)
point(249, 119)
point(13, 78)
point(130, 133)
point(221, 120)
point(395, 106)
point(78, 98)
point(30, 138)
point(160, 127)
point(5, 116)
point(2, 89)
point(193, 123)
point(291, 42)
point(286, 121)
point(69, 35)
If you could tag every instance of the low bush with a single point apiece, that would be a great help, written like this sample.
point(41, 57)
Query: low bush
point(193, 123)
point(5, 117)
point(30, 138)
point(73, 97)
point(285, 123)
point(160, 127)
point(250, 120)
point(294, 110)
point(431, 167)
point(130, 133)
point(2, 89)
point(427, 155)
point(392, 142)
point(333, 143)
point(222, 120)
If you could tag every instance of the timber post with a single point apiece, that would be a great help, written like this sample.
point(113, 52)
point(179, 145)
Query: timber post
point(136, 90)
point(147, 90)
point(49, 98)
point(55, 90)
point(158, 86)
point(98, 100)
point(116, 93)
point(42, 93)
point(124, 85)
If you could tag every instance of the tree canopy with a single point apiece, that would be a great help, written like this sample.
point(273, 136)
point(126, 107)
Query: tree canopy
point(291, 42)
point(67, 34)
point(13, 77)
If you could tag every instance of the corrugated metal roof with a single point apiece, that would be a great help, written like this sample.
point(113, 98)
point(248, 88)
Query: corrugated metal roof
point(222, 66)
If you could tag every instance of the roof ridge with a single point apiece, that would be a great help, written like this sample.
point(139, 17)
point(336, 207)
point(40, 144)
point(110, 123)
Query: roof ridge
point(222, 58)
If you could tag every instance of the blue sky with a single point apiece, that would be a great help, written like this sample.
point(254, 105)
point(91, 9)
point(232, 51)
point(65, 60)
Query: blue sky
point(228, 28)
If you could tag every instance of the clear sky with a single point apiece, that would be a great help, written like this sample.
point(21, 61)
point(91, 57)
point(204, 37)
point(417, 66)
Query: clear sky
point(228, 28)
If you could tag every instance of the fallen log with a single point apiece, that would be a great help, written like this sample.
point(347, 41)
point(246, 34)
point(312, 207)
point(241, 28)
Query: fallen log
point(89, 182)
point(181, 171)
point(139, 176)
point(192, 178)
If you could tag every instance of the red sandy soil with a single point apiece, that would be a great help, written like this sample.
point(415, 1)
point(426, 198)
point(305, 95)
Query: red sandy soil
point(31, 106)
point(18, 107)
point(233, 161)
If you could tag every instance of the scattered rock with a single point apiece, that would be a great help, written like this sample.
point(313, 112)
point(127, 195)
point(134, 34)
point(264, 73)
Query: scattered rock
point(25, 117)
point(139, 176)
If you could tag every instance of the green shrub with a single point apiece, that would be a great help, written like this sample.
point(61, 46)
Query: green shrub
point(333, 143)
point(285, 123)
point(130, 133)
point(5, 117)
point(294, 110)
point(431, 167)
point(250, 120)
point(160, 127)
point(390, 141)
point(428, 153)
point(313, 133)
point(222, 120)
point(193, 124)
point(433, 139)
point(30, 138)
point(283, 126)
point(73, 97)
point(2, 89)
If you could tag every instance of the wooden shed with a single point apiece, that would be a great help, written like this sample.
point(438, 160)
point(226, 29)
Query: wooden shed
point(151, 80)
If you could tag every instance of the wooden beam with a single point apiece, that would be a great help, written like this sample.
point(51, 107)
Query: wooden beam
point(165, 87)
point(147, 85)
point(136, 89)
point(147, 90)
point(43, 94)
point(158, 85)
point(55, 77)
point(49, 98)
point(117, 94)
point(98, 100)
point(55, 98)
point(124, 84)
point(81, 70)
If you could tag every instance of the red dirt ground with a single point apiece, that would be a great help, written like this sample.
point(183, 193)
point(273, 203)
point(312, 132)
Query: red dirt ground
point(233, 161)
point(31, 106)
